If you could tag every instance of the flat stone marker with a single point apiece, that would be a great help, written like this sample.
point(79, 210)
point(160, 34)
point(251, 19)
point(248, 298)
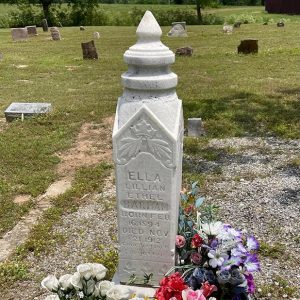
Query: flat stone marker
point(184, 51)
point(147, 146)
point(31, 30)
point(81, 28)
point(177, 31)
point(45, 25)
point(89, 50)
point(280, 24)
point(55, 34)
point(183, 24)
point(22, 110)
point(19, 34)
point(248, 46)
point(96, 35)
point(227, 29)
point(195, 127)
point(237, 24)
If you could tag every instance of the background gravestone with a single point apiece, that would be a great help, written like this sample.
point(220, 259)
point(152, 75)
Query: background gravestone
point(195, 127)
point(45, 25)
point(18, 110)
point(184, 51)
point(89, 50)
point(55, 34)
point(248, 46)
point(183, 24)
point(147, 144)
point(31, 30)
point(19, 34)
point(177, 31)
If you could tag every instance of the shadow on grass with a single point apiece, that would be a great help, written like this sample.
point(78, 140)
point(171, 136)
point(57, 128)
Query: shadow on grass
point(248, 114)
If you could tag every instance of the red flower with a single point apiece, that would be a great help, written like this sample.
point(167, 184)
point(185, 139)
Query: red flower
point(188, 210)
point(208, 288)
point(171, 286)
point(196, 258)
point(197, 241)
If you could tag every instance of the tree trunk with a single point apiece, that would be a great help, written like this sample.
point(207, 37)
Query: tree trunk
point(199, 15)
point(46, 11)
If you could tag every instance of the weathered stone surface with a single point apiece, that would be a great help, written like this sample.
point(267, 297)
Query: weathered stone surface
point(227, 29)
point(19, 34)
point(177, 31)
point(280, 24)
point(81, 28)
point(195, 127)
point(45, 25)
point(183, 24)
point(237, 24)
point(147, 144)
point(31, 30)
point(89, 50)
point(184, 51)
point(55, 34)
point(24, 110)
point(96, 35)
point(248, 46)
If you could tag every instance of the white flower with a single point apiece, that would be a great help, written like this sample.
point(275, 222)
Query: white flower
point(50, 283)
point(76, 281)
point(216, 258)
point(96, 291)
point(85, 270)
point(52, 297)
point(99, 271)
point(118, 292)
point(104, 286)
point(137, 298)
point(81, 295)
point(65, 282)
point(212, 228)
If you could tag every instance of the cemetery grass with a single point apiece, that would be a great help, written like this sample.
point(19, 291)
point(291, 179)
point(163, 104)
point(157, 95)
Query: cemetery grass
point(236, 95)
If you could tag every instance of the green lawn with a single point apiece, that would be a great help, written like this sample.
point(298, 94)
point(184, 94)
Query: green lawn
point(235, 95)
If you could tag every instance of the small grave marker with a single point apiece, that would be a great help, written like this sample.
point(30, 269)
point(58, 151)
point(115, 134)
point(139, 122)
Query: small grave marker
point(21, 110)
point(31, 30)
point(96, 35)
point(280, 24)
point(89, 50)
point(55, 34)
point(19, 34)
point(177, 30)
point(45, 25)
point(184, 51)
point(195, 127)
point(227, 29)
point(248, 46)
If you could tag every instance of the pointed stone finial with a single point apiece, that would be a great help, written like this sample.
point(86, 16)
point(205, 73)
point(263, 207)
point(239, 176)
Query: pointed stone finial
point(148, 27)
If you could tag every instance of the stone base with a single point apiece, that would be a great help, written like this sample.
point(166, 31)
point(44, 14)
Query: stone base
point(139, 291)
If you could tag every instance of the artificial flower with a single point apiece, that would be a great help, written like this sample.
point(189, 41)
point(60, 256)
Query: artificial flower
point(65, 282)
point(250, 283)
point(209, 276)
point(212, 228)
point(85, 270)
point(237, 277)
point(251, 263)
point(180, 241)
point(216, 258)
point(239, 250)
point(252, 243)
point(196, 241)
point(76, 281)
point(230, 262)
point(208, 289)
point(104, 286)
point(118, 292)
point(50, 283)
point(190, 294)
point(99, 271)
point(196, 258)
point(52, 297)
point(223, 276)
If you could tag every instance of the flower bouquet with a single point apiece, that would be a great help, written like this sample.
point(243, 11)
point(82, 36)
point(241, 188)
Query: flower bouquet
point(214, 260)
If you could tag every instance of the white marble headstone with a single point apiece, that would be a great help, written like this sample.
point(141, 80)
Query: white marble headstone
point(147, 141)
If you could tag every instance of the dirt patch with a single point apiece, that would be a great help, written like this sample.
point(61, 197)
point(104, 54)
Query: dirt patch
point(20, 199)
point(92, 145)
point(3, 124)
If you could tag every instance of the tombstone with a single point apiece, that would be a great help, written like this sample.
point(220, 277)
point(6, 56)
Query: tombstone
point(195, 127)
point(248, 46)
point(237, 24)
point(147, 143)
point(31, 30)
point(18, 110)
point(184, 51)
point(89, 50)
point(280, 24)
point(19, 34)
point(265, 23)
point(81, 28)
point(177, 31)
point(183, 24)
point(227, 28)
point(45, 25)
point(55, 34)
point(96, 35)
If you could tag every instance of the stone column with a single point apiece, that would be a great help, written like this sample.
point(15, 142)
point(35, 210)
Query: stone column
point(147, 142)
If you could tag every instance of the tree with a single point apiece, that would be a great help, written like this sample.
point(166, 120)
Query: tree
point(199, 5)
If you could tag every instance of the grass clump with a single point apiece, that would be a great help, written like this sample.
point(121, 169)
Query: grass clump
point(275, 251)
point(11, 271)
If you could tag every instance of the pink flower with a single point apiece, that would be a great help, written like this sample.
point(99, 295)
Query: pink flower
point(180, 241)
point(196, 258)
point(189, 294)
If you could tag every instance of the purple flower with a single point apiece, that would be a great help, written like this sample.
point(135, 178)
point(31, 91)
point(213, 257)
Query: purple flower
point(199, 274)
point(232, 261)
point(252, 263)
point(252, 243)
point(239, 251)
point(214, 244)
point(250, 281)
